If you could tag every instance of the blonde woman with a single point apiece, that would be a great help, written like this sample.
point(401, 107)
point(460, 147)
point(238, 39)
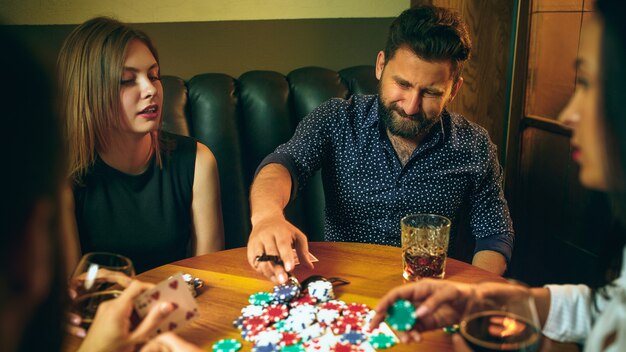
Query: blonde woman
point(136, 190)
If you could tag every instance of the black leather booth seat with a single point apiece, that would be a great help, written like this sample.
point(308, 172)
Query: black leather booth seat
point(242, 120)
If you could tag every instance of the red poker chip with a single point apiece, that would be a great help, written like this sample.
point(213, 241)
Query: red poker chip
point(306, 299)
point(289, 338)
point(256, 323)
point(345, 347)
point(356, 309)
point(276, 312)
point(346, 323)
point(333, 305)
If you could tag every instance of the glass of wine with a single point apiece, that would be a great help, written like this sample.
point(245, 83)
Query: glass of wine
point(501, 319)
point(98, 277)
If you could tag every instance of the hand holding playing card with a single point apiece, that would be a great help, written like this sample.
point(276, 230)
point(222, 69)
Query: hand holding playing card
point(111, 328)
point(175, 291)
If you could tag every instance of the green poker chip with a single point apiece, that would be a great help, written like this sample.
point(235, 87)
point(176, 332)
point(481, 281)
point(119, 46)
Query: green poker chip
point(227, 345)
point(381, 341)
point(293, 348)
point(401, 315)
point(451, 329)
point(261, 298)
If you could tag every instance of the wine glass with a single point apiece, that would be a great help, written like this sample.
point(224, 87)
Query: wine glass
point(98, 277)
point(501, 317)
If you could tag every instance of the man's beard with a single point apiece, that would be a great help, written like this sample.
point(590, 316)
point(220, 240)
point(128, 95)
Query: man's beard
point(400, 124)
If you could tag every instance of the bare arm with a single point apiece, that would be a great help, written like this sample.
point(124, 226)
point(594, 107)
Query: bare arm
point(69, 230)
point(206, 208)
point(271, 233)
point(491, 261)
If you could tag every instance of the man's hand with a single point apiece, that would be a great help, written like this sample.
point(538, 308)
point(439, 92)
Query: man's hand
point(277, 236)
point(491, 261)
point(111, 328)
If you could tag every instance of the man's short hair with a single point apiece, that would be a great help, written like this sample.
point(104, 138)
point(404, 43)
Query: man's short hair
point(433, 34)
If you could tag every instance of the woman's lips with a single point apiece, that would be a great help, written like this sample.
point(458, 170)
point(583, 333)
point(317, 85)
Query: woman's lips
point(576, 154)
point(151, 112)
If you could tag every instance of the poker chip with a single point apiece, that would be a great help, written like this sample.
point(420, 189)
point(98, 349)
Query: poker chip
point(337, 305)
point(356, 309)
point(285, 293)
point(289, 338)
point(255, 323)
point(381, 341)
point(344, 347)
point(276, 312)
point(304, 300)
point(252, 311)
point(293, 348)
point(238, 323)
point(266, 348)
point(268, 337)
point(401, 315)
point(312, 332)
point(347, 323)
point(303, 310)
point(327, 316)
point(261, 298)
point(250, 335)
point(322, 290)
point(451, 329)
point(298, 323)
point(353, 337)
point(227, 345)
point(280, 325)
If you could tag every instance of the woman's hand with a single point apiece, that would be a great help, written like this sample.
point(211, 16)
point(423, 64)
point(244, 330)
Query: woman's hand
point(111, 328)
point(439, 303)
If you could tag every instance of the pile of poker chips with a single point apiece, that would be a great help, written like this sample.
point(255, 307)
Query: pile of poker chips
point(291, 320)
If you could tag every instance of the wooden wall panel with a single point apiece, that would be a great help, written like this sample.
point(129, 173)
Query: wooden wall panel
point(561, 225)
point(483, 97)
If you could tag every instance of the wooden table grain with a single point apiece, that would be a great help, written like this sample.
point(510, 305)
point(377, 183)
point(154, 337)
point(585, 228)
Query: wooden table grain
point(228, 282)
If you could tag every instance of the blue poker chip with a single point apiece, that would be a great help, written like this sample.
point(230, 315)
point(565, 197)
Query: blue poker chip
point(266, 348)
point(284, 293)
point(238, 323)
point(353, 337)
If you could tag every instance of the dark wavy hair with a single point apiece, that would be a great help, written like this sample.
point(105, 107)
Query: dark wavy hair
point(433, 34)
point(612, 77)
point(33, 171)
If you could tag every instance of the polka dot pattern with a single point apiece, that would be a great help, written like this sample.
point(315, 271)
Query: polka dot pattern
point(368, 191)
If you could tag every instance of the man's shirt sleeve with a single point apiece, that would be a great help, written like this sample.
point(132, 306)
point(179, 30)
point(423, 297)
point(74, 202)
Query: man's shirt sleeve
point(490, 220)
point(302, 155)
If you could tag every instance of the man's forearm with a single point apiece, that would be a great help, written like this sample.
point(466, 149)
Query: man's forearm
point(270, 192)
point(491, 261)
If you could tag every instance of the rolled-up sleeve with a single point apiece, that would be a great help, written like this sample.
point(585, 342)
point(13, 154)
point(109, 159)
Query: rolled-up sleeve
point(569, 318)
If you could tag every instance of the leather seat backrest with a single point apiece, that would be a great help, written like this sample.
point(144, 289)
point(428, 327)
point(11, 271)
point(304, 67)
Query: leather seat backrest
point(242, 120)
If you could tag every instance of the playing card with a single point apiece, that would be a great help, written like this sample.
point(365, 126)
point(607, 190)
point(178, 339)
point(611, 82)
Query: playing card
point(175, 291)
point(311, 257)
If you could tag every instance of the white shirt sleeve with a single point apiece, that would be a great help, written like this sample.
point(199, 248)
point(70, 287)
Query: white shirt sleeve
point(570, 315)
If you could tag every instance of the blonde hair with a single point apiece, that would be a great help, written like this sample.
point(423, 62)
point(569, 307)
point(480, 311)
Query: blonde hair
point(89, 69)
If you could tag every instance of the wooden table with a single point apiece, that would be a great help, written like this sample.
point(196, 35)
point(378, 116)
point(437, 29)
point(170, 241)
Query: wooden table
point(371, 269)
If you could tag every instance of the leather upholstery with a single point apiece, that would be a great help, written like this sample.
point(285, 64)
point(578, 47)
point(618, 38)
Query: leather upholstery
point(242, 120)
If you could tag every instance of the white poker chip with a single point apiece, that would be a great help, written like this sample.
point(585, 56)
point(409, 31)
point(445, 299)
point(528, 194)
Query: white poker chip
point(312, 332)
point(303, 310)
point(321, 290)
point(268, 337)
point(327, 316)
point(299, 323)
point(252, 311)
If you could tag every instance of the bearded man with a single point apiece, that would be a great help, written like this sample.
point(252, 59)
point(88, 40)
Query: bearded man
point(388, 155)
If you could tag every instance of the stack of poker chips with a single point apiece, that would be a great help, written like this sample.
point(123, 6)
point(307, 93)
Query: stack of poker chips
point(288, 319)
